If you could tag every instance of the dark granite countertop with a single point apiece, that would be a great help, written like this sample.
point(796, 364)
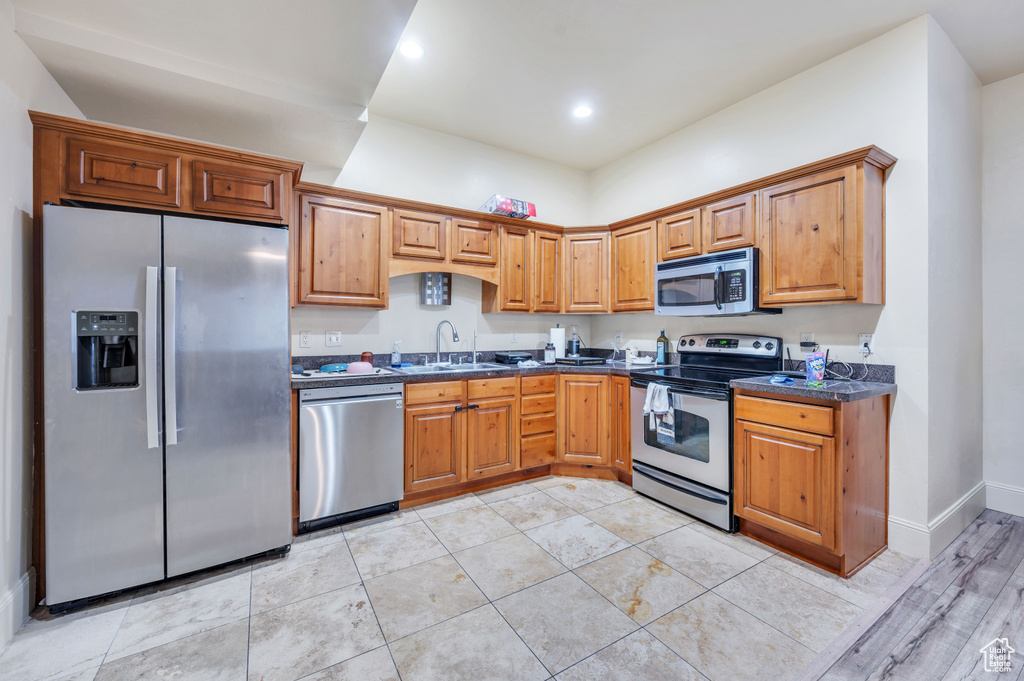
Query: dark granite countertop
point(836, 391)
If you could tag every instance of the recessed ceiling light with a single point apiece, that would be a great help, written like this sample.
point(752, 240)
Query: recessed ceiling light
point(411, 49)
point(582, 111)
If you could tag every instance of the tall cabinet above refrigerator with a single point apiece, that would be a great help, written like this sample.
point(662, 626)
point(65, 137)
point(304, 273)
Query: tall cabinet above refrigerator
point(166, 397)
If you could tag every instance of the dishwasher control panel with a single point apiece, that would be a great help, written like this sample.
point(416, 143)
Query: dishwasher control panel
point(343, 392)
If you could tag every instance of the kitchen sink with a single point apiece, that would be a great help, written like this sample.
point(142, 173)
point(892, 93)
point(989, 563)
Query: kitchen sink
point(448, 368)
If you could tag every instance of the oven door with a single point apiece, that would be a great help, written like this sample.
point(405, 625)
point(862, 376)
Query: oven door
point(693, 443)
point(707, 288)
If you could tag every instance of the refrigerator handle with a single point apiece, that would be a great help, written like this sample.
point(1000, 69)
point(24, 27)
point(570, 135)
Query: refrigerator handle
point(170, 353)
point(152, 417)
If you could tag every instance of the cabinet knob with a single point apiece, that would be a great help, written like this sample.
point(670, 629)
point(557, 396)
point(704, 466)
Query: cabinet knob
point(814, 229)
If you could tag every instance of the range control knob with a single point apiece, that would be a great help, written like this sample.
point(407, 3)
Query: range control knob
point(757, 344)
point(692, 342)
point(769, 346)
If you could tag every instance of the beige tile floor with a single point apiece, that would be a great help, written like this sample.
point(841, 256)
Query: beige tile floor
point(558, 578)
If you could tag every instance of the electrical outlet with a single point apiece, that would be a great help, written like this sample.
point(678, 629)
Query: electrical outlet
point(806, 337)
point(866, 344)
point(305, 339)
point(332, 339)
point(515, 336)
point(618, 338)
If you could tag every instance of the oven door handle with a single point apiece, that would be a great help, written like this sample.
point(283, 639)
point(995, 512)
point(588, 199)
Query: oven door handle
point(718, 272)
point(638, 468)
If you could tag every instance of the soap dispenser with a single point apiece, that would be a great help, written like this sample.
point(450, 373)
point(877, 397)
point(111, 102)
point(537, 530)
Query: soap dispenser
point(396, 355)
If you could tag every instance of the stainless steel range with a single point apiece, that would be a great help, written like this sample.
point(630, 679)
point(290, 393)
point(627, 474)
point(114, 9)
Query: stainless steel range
point(684, 457)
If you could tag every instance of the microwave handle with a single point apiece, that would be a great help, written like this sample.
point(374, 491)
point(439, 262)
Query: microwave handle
point(714, 285)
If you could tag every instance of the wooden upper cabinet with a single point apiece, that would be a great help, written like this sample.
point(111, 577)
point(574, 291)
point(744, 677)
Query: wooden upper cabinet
point(786, 481)
point(587, 260)
point(729, 224)
point(515, 272)
point(122, 172)
point(475, 243)
point(420, 235)
point(238, 190)
point(633, 259)
point(547, 276)
point(492, 435)
point(810, 239)
point(679, 235)
point(342, 258)
point(583, 427)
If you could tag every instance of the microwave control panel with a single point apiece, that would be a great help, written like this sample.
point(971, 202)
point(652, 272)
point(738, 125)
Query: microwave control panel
point(735, 286)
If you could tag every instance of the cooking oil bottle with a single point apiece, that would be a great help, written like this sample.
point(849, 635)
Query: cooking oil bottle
point(662, 348)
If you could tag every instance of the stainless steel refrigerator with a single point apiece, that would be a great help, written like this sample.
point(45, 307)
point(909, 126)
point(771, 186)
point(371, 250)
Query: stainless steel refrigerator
point(166, 397)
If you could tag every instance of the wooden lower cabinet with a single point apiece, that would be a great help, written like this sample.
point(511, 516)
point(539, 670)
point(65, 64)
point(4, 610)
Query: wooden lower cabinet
point(538, 418)
point(811, 476)
point(491, 434)
point(619, 423)
point(433, 446)
point(583, 419)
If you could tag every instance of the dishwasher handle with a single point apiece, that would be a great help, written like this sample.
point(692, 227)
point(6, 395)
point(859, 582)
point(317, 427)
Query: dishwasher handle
point(353, 400)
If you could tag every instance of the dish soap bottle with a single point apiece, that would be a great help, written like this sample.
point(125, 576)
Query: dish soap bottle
point(396, 355)
point(662, 348)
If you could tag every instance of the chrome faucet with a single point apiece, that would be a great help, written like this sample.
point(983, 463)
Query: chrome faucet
point(474, 346)
point(455, 337)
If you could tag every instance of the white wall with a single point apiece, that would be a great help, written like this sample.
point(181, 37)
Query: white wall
point(1002, 244)
point(954, 279)
point(416, 325)
point(873, 94)
point(24, 84)
point(397, 159)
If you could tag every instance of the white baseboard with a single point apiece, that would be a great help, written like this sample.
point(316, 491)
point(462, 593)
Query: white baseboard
point(927, 541)
point(15, 606)
point(1005, 498)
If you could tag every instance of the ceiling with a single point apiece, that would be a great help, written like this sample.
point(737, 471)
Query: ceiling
point(295, 79)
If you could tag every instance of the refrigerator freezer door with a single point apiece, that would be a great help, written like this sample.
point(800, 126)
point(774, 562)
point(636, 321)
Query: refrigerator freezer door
point(103, 484)
point(228, 475)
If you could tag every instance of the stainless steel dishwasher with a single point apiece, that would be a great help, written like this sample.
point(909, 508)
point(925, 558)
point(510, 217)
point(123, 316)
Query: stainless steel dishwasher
point(351, 442)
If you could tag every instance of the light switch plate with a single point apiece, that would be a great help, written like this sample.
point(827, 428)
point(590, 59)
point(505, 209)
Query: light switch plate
point(305, 339)
point(618, 338)
point(332, 339)
point(515, 337)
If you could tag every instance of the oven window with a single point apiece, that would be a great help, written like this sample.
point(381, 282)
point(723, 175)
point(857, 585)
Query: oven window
point(679, 432)
point(696, 289)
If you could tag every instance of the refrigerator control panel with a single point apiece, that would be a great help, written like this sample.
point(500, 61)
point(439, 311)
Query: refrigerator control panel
point(107, 323)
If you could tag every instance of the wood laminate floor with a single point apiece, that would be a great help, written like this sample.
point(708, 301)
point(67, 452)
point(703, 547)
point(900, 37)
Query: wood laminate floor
point(971, 595)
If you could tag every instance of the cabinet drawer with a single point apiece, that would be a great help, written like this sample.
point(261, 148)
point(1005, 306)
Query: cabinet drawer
point(237, 190)
point(438, 391)
point(123, 172)
point(532, 425)
point(492, 387)
point(537, 450)
point(538, 404)
point(538, 384)
point(805, 417)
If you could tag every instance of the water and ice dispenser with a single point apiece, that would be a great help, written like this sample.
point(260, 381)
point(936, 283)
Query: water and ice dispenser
point(107, 348)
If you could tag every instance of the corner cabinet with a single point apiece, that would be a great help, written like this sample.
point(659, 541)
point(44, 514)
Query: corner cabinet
point(342, 257)
point(583, 424)
point(586, 268)
point(811, 476)
point(633, 256)
point(822, 236)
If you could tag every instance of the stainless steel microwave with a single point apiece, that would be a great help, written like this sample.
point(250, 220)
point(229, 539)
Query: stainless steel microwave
point(724, 283)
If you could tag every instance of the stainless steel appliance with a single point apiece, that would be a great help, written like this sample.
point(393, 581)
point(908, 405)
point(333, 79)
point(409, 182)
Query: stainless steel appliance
point(351, 442)
point(724, 283)
point(166, 401)
point(684, 458)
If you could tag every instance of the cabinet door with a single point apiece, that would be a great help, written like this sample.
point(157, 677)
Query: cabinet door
point(241, 191)
point(587, 260)
point(547, 279)
point(420, 235)
point(583, 435)
point(341, 252)
point(433, 446)
point(786, 480)
point(809, 239)
point(679, 235)
point(729, 224)
point(491, 437)
point(123, 173)
point(619, 419)
point(633, 254)
point(515, 276)
point(475, 243)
